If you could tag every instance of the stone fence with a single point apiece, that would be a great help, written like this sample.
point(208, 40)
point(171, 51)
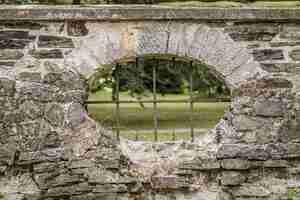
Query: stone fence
point(51, 150)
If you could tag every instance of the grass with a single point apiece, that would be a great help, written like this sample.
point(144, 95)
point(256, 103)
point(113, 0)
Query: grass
point(135, 119)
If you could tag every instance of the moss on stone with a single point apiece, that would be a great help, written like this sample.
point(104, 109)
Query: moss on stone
point(293, 194)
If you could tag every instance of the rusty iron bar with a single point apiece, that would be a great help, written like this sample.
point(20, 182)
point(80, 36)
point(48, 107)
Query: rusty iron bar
point(191, 102)
point(199, 100)
point(117, 101)
point(155, 113)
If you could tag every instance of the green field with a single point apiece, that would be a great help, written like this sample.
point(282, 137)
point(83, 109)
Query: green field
point(173, 117)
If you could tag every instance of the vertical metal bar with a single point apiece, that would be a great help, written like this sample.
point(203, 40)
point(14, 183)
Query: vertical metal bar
point(155, 100)
point(117, 101)
point(136, 135)
point(191, 101)
point(174, 135)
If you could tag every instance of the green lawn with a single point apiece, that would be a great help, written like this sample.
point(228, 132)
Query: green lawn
point(135, 119)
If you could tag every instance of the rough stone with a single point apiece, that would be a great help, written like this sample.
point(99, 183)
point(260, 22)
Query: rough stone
point(295, 54)
point(10, 54)
point(251, 191)
point(77, 28)
point(290, 32)
point(21, 25)
point(31, 110)
point(30, 76)
point(47, 54)
point(268, 54)
point(269, 108)
point(47, 41)
point(252, 32)
point(13, 44)
point(232, 178)
point(54, 114)
point(208, 164)
point(37, 92)
point(246, 123)
point(235, 164)
point(7, 87)
point(46, 133)
point(281, 67)
point(75, 115)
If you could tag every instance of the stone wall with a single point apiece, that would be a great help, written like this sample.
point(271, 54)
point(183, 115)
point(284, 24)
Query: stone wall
point(52, 150)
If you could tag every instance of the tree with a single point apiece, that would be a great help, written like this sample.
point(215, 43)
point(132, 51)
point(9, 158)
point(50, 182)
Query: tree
point(173, 77)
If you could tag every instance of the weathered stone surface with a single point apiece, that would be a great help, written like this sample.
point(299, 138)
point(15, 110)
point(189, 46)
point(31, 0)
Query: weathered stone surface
point(235, 164)
point(54, 114)
point(7, 87)
point(31, 109)
point(276, 163)
point(165, 182)
point(30, 76)
point(21, 25)
point(290, 32)
point(109, 188)
point(76, 96)
point(268, 54)
point(47, 41)
point(69, 156)
point(77, 28)
point(284, 43)
point(48, 155)
point(295, 54)
point(10, 54)
point(13, 44)
point(47, 54)
point(269, 108)
point(253, 152)
point(252, 32)
point(293, 150)
point(76, 114)
point(281, 67)
point(14, 34)
point(232, 178)
point(8, 64)
point(251, 191)
point(36, 91)
point(209, 164)
point(246, 123)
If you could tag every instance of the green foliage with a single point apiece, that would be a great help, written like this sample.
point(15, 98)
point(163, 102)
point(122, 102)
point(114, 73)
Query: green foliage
point(173, 77)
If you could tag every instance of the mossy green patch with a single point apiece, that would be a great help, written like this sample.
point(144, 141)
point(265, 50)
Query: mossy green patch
point(294, 194)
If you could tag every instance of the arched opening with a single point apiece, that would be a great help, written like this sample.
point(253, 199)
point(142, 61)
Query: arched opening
point(157, 98)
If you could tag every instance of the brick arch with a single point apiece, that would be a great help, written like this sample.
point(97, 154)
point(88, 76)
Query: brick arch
point(108, 42)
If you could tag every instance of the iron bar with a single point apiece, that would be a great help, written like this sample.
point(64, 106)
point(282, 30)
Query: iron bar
point(191, 102)
point(117, 101)
point(200, 100)
point(155, 100)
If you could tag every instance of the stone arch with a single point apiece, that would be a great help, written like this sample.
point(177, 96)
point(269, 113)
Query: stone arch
point(108, 42)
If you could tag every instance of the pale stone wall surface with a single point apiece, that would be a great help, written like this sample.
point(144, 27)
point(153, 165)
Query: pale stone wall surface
point(51, 150)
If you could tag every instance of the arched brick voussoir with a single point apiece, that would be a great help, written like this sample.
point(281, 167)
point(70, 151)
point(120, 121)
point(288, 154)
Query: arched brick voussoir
point(215, 48)
point(109, 42)
point(105, 43)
